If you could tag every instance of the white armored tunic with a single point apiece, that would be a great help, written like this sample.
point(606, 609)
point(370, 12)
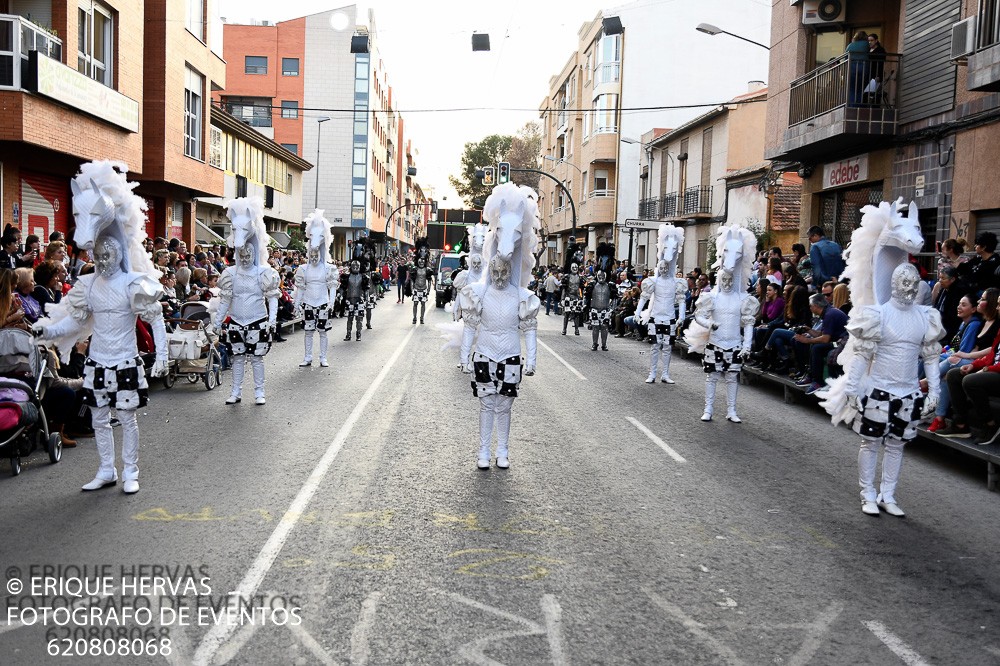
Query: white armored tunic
point(245, 293)
point(726, 310)
point(499, 337)
point(314, 283)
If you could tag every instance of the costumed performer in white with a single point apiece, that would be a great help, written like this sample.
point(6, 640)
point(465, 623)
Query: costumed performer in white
point(724, 318)
point(316, 285)
point(248, 294)
point(879, 395)
point(498, 309)
point(667, 306)
point(110, 224)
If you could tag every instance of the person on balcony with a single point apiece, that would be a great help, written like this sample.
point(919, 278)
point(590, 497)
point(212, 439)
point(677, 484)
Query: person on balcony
point(857, 68)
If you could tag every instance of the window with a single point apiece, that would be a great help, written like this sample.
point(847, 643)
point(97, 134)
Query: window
point(95, 40)
point(606, 114)
point(215, 147)
point(255, 65)
point(607, 69)
point(196, 18)
point(291, 147)
point(241, 186)
point(254, 111)
point(289, 109)
point(600, 179)
point(289, 66)
point(193, 86)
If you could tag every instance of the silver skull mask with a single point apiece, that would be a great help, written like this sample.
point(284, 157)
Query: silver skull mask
point(905, 284)
point(574, 268)
point(602, 277)
point(245, 256)
point(725, 281)
point(662, 268)
point(499, 272)
point(355, 266)
point(313, 256)
point(476, 262)
point(108, 257)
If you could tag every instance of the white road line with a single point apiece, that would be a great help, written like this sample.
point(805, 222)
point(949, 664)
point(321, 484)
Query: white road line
point(306, 639)
point(694, 628)
point(219, 633)
point(553, 626)
point(562, 360)
point(895, 643)
point(361, 634)
point(656, 440)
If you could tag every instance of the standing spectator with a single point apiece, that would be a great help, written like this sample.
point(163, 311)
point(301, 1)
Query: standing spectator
point(402, 275)
point(876, 57)
point(552, 292)
point(826, 257)
point(981, 272)
point(386, 275)
point(858, 68)
point(48, 288)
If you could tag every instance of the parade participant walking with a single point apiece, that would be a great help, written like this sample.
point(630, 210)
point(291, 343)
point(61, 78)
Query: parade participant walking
point(316, 286)
point(572, 297)
point(354, 287)
point(420, 278)
point(248, 296)
point(724, 318)
point(110, 224)
point(498, 309)
point(666, 297)
point(601, 298)
point(879, 394)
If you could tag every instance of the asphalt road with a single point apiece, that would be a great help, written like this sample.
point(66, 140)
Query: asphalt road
point(625, 531)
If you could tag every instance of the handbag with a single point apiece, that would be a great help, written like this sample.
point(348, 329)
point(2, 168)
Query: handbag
point(408, 289)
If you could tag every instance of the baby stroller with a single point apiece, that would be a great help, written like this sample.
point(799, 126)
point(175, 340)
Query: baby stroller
point(23, 381)
point(192, 349)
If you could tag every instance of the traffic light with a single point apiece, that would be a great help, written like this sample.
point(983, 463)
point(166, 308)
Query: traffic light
point(503, 173)
point(447, 248)
point(488, 175)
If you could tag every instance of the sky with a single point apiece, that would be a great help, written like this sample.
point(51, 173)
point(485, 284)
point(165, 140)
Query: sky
point(426, 48)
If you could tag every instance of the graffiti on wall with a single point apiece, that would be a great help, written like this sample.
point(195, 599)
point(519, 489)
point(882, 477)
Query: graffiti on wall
point(958, 227)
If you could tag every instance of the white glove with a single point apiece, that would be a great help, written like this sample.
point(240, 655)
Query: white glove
point(467, 369)
point(38, 330)
point(746, 351)
point(854, 402)
point(529, 371)
point(160, 368)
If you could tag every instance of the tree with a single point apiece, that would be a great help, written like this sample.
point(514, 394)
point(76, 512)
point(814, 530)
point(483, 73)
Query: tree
point(525, 149)
point(487, 152)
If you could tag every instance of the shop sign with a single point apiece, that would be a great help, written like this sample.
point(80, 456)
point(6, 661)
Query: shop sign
point(845, 172)
point(64, 84)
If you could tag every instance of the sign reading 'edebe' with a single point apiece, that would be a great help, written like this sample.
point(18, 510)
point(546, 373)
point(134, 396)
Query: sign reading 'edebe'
point(846, 172)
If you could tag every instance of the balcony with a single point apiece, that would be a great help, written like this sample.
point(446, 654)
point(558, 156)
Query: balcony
point(18, 37)
point(668, 205)
point(698, 201)
point(842, 105)
point(648, 208)
point(983, 72)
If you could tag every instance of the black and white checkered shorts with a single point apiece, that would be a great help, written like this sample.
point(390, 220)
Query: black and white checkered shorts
point(316, 317)
point(495, 377)
point(356, 309)
point(372, 299)
point(572, 305)
point(665, 331)
point(420, 296)
point(600, 317)
point(882, 415)
point(122, 386)
point(717, 359)
point(253, 339)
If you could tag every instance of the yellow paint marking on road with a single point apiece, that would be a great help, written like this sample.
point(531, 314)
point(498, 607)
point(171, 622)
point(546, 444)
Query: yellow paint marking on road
point(496, 556)
point(380, 563)
point(469, 522)
point(162, 515)
point(819, 537)
point(536, 525)
point(297, 563)
point(366, 519)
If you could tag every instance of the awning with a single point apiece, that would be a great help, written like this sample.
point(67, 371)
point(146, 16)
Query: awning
point(281, 238)
point(213, 237)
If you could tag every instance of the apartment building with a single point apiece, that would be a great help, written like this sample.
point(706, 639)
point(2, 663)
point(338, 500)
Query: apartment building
point(685, 174)
point(299, 83)
point(105, 79)
point(919, 122)
point(253, 165)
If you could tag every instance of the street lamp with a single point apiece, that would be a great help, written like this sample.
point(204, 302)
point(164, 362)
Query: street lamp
point(319, 135)
point(562, 160)
point(710, 29)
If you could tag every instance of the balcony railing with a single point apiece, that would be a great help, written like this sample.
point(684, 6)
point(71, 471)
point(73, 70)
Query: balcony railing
point(850, 80)
point(607, 72)
point(668, 205)
point(602, 193)
point(698, 200)
point(648, 208)
point(19, 36)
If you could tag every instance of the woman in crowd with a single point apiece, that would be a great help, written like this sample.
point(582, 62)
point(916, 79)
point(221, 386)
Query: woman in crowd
point(702, 285)
point(798, 254)
point(161, 259)
point(183, 283)
point(48, 288)
point(10, 305)
point(198, 284)
point(774, 270)
point(772, 315)
point(953, 253)
point(969, 343)
point(24, 293)
point(842, 298)
point(980, 272)
point(792, 276)
point(626, 311)
point(796, 314)
point(55, 251)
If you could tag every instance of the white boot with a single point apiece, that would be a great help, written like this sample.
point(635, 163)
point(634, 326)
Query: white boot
point(654, 357)
point(104, 437)
point(665, 363)
point(487, 407)
point(892, 463)
point(504, 404)
point(711, 380)
point(732, 386)
point(130, 450)
point(257, 363)
point(324, 341)
point(307, 359)
point(867, 464)
point(239, 367)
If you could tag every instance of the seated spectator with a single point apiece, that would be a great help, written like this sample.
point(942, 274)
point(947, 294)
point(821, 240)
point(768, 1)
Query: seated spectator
point(55, 251)
point(25, 294)
point(772, 315)
point(171, 305)
point(798, 254)
point(10, 306)
point(774, 270)
point(814, 344)
point(792, 275)
point(962, 349)
point(198, 284)
point(946, 295)
point(183, 280)
point(32, 252)
point(161, 259)
point(842, 298)
point(778, 348)
point(702, 286)
point(971, 387)
point(48, 288)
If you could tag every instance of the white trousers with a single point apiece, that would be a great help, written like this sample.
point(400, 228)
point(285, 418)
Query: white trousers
point(660, 352)
point(892, 463)
point(494, 409)
point(104, 436)
point(323, 342)
point(732, 388)
point(239, 367)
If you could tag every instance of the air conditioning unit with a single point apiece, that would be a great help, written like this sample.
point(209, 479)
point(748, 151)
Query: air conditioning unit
point(963, 39)
point(824, 11)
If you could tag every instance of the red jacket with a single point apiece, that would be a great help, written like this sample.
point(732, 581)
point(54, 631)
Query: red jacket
point(991, 362)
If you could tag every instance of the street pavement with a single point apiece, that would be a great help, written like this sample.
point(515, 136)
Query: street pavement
point(625, 531)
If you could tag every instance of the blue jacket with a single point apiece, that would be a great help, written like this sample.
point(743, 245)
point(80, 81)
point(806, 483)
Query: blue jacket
point(827, 261)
